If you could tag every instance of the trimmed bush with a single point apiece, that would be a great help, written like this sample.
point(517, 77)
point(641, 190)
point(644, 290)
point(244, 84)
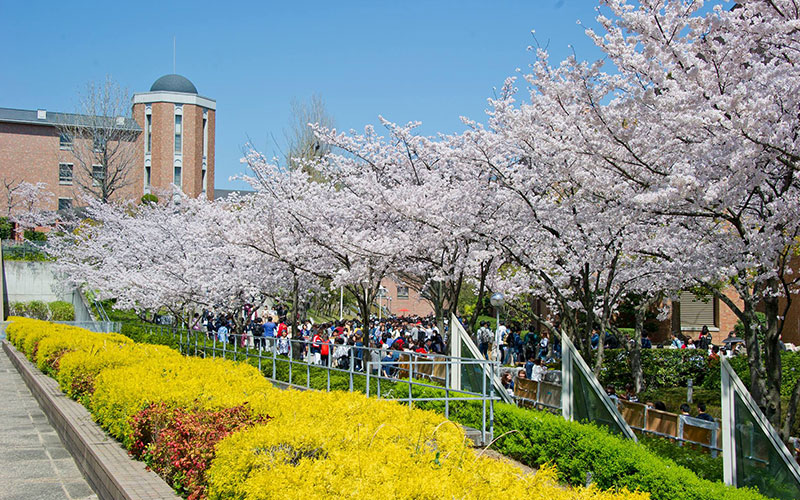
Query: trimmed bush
point(790, 372)
point(33, 235)
point(317, 445)
point(693, 459)
point(537, 438)
point(661, 367)
point(6, 232)
point(178, 444)
point(61, 311)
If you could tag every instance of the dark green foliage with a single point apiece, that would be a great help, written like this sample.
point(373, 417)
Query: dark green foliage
point(790, 372)
point(34, 309)
point(576, 449)
point(738, 328)
point(661, 367)
point(149, 198)
point(697, 461)
point(61, 311)
point(32, 235)
point(532, 437)
point(149, 334)
point(6, 232)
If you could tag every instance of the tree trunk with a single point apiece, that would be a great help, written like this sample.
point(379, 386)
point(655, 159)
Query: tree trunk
point(772, 357)
point(485, 266)
point(635, 355)
point(297, 352)
point(791, 413)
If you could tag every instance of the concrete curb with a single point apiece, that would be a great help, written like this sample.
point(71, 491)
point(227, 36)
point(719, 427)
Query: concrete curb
point(111, 473)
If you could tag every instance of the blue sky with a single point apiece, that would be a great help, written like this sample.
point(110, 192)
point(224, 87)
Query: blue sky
point(405, 60)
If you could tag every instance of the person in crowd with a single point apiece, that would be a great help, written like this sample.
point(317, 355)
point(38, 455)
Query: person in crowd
point(612, 342)
point(714, 356)
point(646, 342)
point(341, 358)
point(675, 343)
point(222, 332)
point(197, 322)
point(269, 328)
point(690, 344)
point(612, 393)
point(630, 394)
point(543, 343)
point(660, 406)
point(685, 410)
point(389, 363)
point(538, 370)
point(705, 338)
point(529, 366)
point(284, 345)
point(325, 350)
point(701, 413)
point(316, 346)
point(508, 383)
point(485, 336)
point(595, 340)
point(521, 374)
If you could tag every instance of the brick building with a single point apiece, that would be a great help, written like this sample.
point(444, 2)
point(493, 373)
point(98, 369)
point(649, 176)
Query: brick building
point(170, 140)
point(399, 299)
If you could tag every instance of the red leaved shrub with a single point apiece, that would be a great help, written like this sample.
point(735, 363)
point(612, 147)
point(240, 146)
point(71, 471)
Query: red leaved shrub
point(178, 444)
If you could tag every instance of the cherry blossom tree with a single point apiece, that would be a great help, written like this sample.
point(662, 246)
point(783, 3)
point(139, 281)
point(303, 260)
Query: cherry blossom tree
point(320, 228)
point(697, 122)
point(26, 203)
point(176, 256)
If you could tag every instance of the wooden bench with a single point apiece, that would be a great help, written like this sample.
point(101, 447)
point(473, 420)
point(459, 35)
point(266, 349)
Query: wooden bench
point(633, 413)
point(662, 422)
point(550, 394)
point(527, 391)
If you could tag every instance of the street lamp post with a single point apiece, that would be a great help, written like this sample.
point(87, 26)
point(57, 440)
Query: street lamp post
point(497, 300)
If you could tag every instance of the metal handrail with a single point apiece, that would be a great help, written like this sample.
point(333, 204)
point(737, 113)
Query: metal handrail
point(361, 362)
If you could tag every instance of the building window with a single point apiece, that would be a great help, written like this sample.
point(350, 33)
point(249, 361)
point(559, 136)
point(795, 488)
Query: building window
point(402, 292)
point(65, 140)
point(205, 137)
point(98, 144)
point(178, 134)
point(697, 312)
point(64, 203)
point(98, 175)
point(148, 125)
point(176, 178)
point(65, 173)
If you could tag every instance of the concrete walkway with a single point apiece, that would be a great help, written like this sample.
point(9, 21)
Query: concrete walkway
point(33, 462)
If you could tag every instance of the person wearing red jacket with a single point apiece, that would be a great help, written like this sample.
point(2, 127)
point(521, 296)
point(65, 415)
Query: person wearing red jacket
point(316, 343)
point(324, 351)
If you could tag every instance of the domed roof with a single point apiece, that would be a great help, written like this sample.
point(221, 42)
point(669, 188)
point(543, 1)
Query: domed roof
point(174, 83)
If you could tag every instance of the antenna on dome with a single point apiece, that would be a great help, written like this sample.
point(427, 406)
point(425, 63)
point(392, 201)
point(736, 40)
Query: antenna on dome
point(173, 54)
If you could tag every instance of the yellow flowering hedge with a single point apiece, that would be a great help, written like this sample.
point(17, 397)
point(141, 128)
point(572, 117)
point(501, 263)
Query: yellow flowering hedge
point(316, 445)
point(78, 370)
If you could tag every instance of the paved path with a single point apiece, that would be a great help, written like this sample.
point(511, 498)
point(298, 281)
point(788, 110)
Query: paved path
point(33, 462)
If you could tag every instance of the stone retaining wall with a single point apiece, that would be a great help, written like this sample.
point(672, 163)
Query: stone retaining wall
point(103, 462)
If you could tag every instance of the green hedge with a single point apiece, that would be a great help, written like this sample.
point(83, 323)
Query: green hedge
point(661, 367)
point(61, 311)
point(36, 309)
point(536, 438)
point(699, 462)
point(790, 372)
point(533, 437)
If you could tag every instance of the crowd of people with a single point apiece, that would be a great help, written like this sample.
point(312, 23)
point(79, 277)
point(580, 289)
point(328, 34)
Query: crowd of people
point(336, 344)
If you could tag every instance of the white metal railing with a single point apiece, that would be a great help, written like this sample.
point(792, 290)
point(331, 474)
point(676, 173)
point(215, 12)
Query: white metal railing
point(300, 359)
